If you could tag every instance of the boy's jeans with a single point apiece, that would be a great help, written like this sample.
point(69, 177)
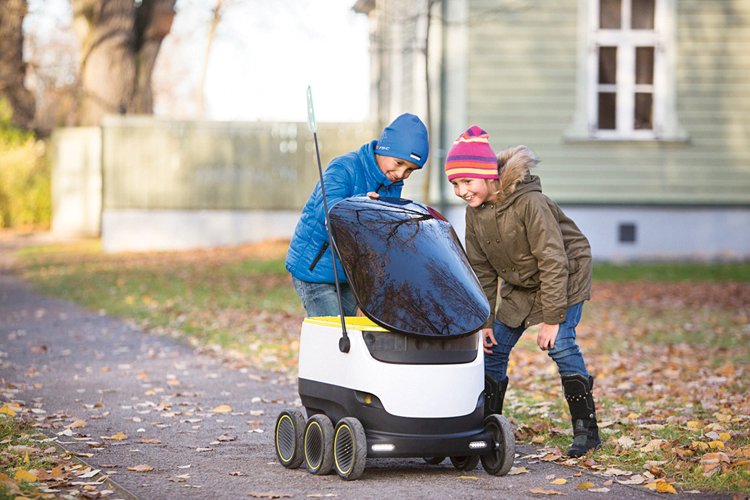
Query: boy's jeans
point(566, 353)
point(319, 299)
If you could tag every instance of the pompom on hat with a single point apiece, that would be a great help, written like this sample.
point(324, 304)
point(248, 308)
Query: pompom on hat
point(405, 138)
point(471, 156)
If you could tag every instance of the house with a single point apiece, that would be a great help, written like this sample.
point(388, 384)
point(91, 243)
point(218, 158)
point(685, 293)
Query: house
point(638, 109)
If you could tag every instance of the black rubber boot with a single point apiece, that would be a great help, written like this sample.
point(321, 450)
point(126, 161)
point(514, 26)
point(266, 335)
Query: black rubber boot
point(578, 393)
point(494, 395)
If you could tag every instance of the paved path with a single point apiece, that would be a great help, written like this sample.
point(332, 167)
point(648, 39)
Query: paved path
point(167, 399)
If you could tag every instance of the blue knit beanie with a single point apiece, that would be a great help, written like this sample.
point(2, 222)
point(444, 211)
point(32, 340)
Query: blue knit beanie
point(405, 138)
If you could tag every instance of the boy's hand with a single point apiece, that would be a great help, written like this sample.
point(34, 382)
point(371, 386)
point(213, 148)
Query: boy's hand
point(373, 195)
point(488, 340)
point(545, 339)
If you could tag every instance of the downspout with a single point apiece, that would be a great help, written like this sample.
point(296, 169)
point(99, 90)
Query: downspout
point(442, 149)
point(428, 100)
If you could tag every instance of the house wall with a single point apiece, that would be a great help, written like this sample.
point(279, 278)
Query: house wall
point(686, 199)
point(683, 234)
point(521, 87)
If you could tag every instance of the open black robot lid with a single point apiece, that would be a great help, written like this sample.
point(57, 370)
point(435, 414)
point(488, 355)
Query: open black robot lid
point(407, 267)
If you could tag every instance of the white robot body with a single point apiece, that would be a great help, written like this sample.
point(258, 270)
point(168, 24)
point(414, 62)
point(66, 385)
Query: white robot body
point(405, 390)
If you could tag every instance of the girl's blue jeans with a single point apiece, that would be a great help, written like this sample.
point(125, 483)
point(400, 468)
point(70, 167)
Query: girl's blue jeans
point(319, 299)
point(566, 353)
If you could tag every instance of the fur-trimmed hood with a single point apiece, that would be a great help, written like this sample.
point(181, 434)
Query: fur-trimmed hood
point(514, 165)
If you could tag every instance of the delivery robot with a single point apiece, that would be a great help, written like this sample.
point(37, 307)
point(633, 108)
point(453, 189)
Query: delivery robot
point(407, 378)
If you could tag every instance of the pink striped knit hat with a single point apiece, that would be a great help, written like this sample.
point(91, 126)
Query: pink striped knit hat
point(471, 156)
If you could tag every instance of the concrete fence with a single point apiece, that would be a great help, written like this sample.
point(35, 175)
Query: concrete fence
point(148, 184)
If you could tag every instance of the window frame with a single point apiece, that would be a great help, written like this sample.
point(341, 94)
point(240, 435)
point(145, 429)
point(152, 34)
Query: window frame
point(665, 125)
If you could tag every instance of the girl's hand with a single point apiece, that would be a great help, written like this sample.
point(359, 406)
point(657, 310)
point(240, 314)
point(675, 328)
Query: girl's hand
point(373, 195)
point(488, 340)
point(545, 339)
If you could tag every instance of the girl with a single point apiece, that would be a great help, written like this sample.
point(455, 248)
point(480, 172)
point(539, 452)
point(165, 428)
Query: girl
point(516, 234)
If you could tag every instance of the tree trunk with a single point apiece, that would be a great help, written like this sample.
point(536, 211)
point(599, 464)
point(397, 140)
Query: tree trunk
point(12, 66)
point(119, 45)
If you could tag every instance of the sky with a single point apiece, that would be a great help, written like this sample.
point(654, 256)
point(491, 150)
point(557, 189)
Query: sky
point(264, 57)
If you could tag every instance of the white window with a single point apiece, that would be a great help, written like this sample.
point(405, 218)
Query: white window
point(627, 89)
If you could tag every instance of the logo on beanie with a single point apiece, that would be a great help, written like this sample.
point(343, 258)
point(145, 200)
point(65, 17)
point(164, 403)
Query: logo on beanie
point(405, 138)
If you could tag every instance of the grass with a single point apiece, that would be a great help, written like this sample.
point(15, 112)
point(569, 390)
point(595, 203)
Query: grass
point(670, 272)
point(20, 458)
point(669, 345)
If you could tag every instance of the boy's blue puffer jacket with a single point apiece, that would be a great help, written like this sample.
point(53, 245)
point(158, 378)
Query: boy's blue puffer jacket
point(352, 174)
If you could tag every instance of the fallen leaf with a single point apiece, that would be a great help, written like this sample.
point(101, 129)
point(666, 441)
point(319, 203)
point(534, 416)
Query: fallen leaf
point(269, 494)
point(517, 470)
point(699, 445)
point(77, 424)
point(468, 477)
point(694, 425)
point(542, 491)
point(559, 480)
point(223, 409)
point(716, 445)
point(715, 458)
point(599, 490)
point(226, 437)
point(613, 471)
point(661, 486)
point(637, 479)
point(7, 410)
point(141, 468)
point(87, 473)
point(24, 475)
point(665, 487)
point(120, 436)
point(145, 440)
point(585, 486)
point(653, 445)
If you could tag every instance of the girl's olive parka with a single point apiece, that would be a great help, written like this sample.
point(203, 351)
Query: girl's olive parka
point(525, 240)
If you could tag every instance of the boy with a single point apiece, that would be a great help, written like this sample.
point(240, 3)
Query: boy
point(377, 168)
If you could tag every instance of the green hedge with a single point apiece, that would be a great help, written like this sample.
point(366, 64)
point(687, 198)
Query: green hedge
point(25, 179)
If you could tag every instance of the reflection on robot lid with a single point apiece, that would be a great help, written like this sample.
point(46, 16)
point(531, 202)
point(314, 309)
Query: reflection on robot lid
point(407, 267)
